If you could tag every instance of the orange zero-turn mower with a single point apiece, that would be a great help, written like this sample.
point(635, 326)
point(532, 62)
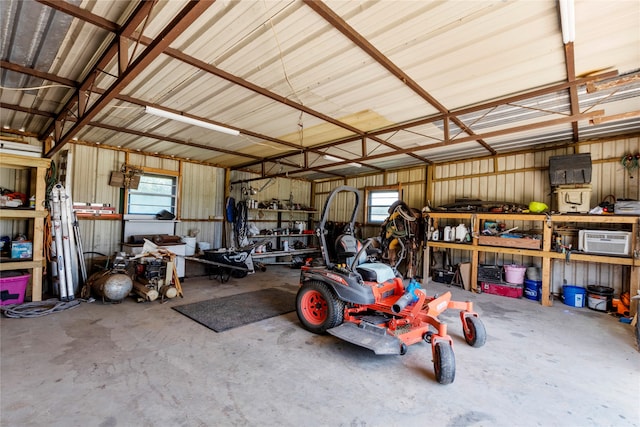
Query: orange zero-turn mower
point(366, 303)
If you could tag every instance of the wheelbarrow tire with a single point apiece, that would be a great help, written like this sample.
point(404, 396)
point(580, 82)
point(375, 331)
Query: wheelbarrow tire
point(444, 363)
point(318, 308)
point(477, 335)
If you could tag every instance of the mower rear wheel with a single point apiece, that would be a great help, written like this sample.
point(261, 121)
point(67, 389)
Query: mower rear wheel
point(318, 308)
point(477, 334)
point(444, 363)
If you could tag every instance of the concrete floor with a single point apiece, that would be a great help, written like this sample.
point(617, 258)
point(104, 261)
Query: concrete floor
point(147, 365)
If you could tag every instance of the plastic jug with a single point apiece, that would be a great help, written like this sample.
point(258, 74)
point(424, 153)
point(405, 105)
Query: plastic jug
point(448, 234)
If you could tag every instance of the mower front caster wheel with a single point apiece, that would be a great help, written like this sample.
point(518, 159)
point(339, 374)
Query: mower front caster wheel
point(475, 333)
point(403, 349)
point(444, 363)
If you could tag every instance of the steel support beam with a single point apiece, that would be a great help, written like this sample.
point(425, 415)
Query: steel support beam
point(181, 22)
point(338, 23)
point(139, 15)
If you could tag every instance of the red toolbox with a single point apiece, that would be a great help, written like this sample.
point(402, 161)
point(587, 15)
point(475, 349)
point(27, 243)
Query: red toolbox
point(502, 288)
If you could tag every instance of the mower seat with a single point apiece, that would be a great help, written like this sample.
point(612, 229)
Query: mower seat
point(347, 247)
point(375, 272)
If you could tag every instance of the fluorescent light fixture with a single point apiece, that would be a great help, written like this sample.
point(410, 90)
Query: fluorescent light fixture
point(189, 120)
point(332, 158)
point(337, 159)
point(567, 20)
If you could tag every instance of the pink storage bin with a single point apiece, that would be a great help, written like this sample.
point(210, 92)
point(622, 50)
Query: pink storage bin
point(12, 289)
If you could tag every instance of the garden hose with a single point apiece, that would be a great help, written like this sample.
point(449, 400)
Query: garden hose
point(38, 308)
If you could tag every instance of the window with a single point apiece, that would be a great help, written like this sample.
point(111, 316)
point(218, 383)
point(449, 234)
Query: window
point(378, 203)
point(155, 193)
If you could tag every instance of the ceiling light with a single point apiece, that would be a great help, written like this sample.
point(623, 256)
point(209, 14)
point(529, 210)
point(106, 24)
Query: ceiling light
point(332, 158)
point(337, 159)
point(189, 120)
point(568, 21)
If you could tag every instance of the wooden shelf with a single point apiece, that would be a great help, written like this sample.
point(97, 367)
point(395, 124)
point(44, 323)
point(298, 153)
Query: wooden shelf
point(14, 264)
point(36, 216)
point(547, 223)
point(22, 213)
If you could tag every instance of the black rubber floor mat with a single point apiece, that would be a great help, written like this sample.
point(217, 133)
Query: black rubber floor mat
point(221, 314)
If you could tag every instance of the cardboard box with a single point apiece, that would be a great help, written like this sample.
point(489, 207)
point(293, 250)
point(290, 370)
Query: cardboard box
point(21, 250)
point(502, 288)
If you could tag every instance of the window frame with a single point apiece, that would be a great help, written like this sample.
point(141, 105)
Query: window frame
point(367, 200)
point(175, 176)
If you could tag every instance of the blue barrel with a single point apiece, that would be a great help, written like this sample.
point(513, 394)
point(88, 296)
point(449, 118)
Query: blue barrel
point(574, 295)
point(533, 289)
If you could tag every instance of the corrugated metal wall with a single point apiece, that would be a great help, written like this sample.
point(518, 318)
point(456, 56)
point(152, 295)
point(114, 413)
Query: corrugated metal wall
point(514, 178)
point(201, 195)
point(202, 203)
point(412, 183)
point(521, 178)
point(90, 173)
point(282, 190)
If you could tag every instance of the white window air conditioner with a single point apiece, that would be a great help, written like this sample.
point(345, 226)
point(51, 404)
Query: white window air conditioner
point(605, 242)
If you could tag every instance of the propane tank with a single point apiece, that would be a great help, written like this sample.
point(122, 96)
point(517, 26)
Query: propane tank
point(109, 286)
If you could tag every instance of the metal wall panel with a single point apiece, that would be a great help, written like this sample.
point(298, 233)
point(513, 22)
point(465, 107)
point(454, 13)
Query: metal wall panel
point(154, 162)
point(521, 178)
point(202, 193)
point(91, 171)
point(517, 178)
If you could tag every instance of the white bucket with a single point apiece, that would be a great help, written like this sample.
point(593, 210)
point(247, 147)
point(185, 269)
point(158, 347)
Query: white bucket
point(191, 245)
point(533, 273)
point(204, 246)
point(597, 302)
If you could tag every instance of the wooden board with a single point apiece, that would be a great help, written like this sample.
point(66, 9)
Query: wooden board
point(508, 242)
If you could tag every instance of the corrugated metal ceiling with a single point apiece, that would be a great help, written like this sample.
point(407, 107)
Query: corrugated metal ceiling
point(379, 84)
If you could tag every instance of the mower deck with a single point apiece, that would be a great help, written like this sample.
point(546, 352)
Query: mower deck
point(368, 336)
